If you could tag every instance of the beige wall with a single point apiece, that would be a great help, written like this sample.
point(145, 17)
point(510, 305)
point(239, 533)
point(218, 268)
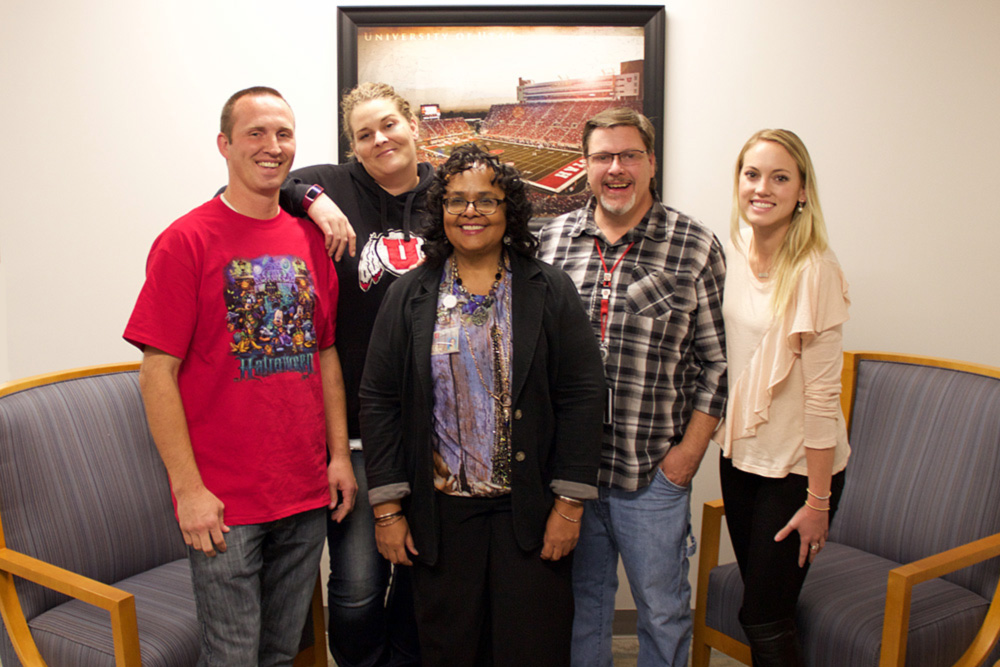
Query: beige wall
point(109, 116)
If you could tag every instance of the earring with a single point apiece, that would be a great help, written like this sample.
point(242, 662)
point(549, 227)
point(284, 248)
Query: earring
point(798, 207)
point(506, 240)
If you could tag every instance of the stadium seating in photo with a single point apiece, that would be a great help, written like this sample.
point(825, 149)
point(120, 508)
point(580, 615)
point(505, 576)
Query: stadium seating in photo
point(542, 140)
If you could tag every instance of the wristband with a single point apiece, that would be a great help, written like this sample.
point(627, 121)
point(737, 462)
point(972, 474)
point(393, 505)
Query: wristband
point(312, 193)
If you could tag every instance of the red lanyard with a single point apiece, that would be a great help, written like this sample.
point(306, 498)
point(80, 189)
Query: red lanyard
point(606, 283)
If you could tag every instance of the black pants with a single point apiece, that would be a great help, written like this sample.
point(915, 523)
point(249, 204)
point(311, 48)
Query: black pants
point(757, 508)
point(487, 603)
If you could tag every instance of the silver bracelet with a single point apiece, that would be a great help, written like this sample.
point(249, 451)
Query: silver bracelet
point(575, 502)
point(564, 516)
point(826, 497)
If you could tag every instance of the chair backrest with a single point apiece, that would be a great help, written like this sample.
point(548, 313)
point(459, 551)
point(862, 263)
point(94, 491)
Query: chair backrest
point(81, 483)
point(924, 473)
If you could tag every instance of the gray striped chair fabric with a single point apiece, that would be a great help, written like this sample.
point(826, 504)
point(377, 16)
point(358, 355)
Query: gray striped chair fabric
point(82, 487)
point(923, 478)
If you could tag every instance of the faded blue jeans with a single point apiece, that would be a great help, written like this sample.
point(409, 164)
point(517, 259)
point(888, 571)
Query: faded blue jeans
point(253, 599)
point(651, 530)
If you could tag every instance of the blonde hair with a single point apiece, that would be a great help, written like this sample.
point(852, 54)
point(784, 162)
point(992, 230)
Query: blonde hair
point(806, 235)
point(367, 92)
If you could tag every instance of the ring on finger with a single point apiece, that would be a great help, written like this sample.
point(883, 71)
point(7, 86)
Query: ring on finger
point(814, 547)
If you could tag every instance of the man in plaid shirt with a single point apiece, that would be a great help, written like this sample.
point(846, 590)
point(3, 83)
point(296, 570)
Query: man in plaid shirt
point(651, 279)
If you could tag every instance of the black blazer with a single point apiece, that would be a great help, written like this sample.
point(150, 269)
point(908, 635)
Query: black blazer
point(557, 386)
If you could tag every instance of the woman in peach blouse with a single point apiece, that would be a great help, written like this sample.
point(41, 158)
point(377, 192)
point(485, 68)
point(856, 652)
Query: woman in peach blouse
point(784, 440)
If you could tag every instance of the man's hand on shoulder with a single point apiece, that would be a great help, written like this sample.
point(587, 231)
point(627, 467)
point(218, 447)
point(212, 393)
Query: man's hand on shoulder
point(200, 515)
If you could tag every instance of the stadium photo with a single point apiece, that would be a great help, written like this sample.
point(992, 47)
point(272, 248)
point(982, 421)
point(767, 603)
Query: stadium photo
point(530, 122)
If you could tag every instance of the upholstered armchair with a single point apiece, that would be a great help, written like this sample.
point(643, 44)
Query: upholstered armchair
point(92, 565)
point(909, 575)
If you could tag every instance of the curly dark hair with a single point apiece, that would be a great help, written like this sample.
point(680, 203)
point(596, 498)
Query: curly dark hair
point(518, 212)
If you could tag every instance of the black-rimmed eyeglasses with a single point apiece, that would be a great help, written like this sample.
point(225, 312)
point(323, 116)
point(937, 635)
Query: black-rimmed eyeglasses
point(484, 206)
point(625, 158)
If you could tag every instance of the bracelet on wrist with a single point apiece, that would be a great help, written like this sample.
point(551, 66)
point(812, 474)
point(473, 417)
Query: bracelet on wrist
point(818, 509)
point(826, 497)
point(574, 502)
point(388, 522)
point(571, 520)
point(388, 515)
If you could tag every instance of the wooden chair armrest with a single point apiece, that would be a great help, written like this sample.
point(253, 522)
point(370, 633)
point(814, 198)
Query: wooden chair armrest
point(120, 604)
point(899, 592)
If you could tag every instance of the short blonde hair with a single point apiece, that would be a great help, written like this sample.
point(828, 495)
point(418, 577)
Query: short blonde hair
point(227, 119)
point(367, 92)
point(807, 234)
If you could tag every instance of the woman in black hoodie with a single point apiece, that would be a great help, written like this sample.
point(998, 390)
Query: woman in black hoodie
point(382, 192)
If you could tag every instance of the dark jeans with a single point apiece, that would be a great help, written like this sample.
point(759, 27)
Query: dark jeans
point(366, 628)
point(253, 599)
point(757, 508)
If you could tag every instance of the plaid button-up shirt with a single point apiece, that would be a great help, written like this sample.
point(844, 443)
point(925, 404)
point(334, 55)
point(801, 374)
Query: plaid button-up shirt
point(663, 332)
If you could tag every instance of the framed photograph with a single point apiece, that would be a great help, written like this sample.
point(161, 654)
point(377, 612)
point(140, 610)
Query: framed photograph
point(520, 81)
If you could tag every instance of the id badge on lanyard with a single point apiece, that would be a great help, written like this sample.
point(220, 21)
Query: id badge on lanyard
point(609, 403)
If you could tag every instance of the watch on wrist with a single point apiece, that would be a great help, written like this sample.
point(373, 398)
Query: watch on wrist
point(311, 194)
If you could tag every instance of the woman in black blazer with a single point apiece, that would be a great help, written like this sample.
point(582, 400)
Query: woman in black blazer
point(481, 418)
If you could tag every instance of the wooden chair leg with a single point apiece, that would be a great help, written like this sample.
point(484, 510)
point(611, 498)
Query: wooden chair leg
point(319, 624)
point(315, 655)
point(708, 558)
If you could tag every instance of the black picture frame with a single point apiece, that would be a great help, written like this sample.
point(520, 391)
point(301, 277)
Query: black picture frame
point(650, 18)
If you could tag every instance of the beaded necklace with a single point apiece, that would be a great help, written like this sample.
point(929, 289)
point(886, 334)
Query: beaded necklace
point(475, 308)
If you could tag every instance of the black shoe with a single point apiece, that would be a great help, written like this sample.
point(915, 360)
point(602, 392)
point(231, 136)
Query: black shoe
point(774, 644)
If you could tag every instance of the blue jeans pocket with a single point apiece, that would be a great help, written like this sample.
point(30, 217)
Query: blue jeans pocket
point(675, 487)
point(671, 489)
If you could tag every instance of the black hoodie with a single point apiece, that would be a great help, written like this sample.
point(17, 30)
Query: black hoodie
point(387, 244)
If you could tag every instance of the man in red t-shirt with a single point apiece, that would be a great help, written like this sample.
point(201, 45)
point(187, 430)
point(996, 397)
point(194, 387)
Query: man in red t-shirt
point(244, 393)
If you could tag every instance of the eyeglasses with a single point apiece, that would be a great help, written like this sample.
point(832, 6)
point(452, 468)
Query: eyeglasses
point(484, 206)
point(625, 158)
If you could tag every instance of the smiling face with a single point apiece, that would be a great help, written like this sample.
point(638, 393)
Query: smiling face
point(383, 140)
point(261, 148)
point(770, 187)
point(475, 236)
point(620, 191)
